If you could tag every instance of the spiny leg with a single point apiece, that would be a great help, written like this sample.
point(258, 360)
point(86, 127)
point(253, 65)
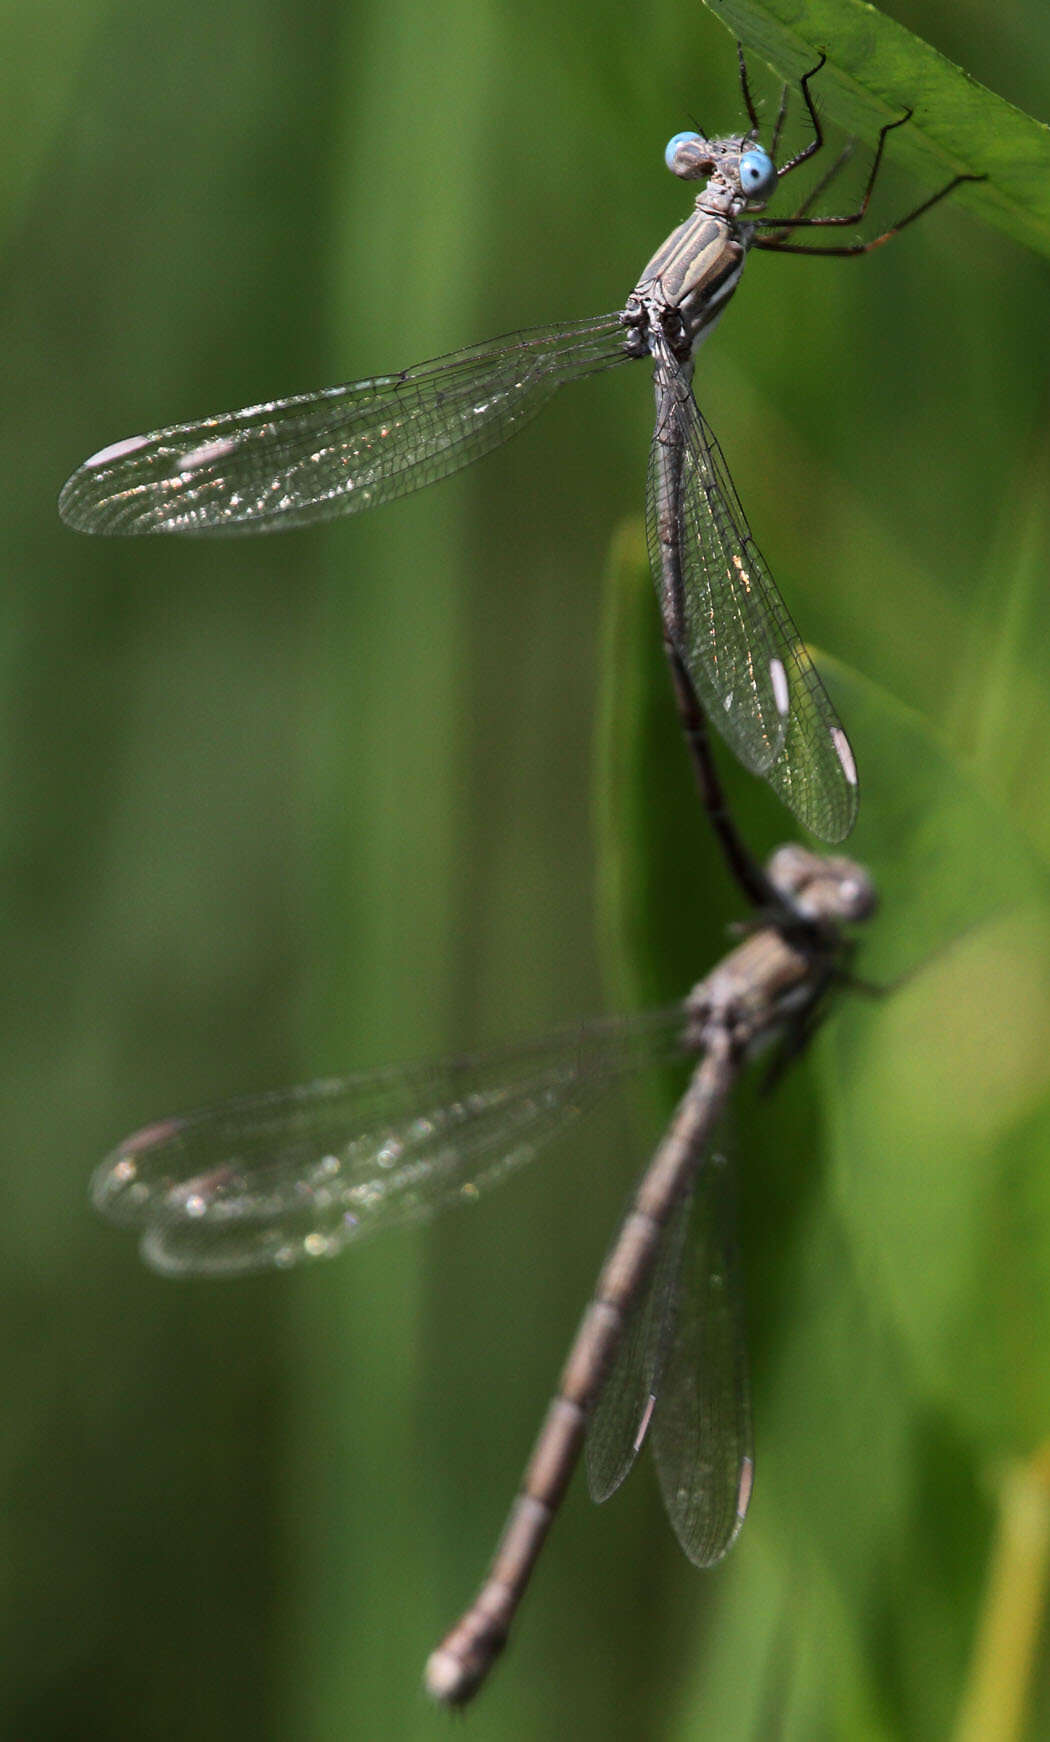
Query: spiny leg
point(779, 123)
point(810, 200)
point(746, 89)
point(817, 140)
point(851, 248)
point(839, 220)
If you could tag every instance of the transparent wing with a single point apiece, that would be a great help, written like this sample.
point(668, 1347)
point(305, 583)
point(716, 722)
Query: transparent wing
point(745, 658)
point(701, 1431)
point(296, 461)
point(273, 1179)
point(620, 1418)
point(705, 588)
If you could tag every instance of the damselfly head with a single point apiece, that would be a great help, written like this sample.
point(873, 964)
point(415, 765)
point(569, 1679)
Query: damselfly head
point(822, 887)
point(745, 168)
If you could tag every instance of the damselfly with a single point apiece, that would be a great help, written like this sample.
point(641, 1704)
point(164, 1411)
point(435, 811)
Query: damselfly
point(271, 1180)
point(295, 461)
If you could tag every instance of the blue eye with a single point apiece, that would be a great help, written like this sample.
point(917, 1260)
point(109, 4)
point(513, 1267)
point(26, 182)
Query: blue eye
point(758, 176)
point(672, 148)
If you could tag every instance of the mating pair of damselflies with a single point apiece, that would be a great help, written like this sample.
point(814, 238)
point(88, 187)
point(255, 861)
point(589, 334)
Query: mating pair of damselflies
point(275, 1179)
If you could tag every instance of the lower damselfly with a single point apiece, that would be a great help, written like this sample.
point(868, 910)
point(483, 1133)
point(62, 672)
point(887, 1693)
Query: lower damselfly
point(269, 1181)
point(292, 462)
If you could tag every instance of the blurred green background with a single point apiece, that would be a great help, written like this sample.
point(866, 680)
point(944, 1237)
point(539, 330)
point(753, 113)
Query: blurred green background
point(281, 807)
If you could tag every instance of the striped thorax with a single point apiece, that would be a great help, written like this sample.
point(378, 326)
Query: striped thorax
point(692, 276)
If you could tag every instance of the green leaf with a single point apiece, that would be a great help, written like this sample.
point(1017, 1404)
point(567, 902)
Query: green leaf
point(875, 70)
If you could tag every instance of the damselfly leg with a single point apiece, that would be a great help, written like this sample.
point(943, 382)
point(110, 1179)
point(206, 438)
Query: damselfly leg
point(802, 219)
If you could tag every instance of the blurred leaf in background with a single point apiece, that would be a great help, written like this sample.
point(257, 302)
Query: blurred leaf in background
point(282, 806)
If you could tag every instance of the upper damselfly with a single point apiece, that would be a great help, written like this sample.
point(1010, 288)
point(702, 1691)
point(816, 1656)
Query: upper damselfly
point(292, 462)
